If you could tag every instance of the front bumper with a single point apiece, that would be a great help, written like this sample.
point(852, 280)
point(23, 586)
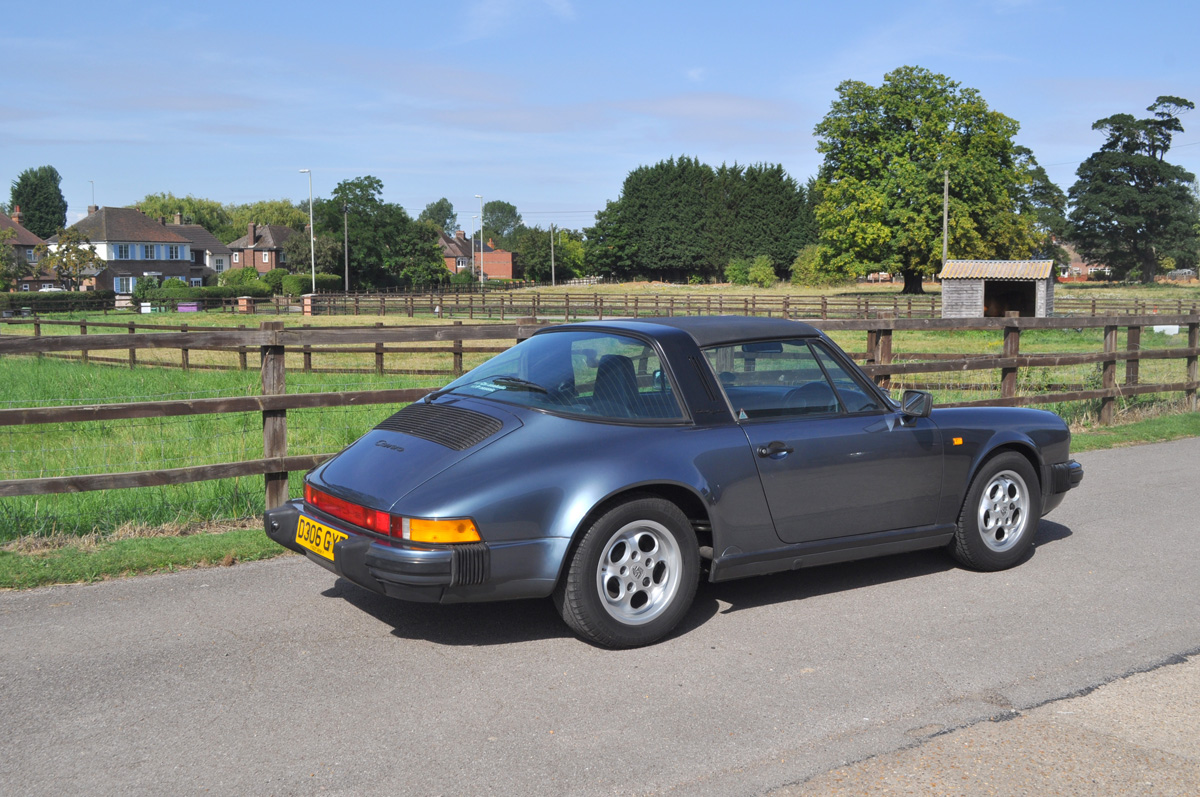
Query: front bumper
point(1063, 476)
point(428, 573)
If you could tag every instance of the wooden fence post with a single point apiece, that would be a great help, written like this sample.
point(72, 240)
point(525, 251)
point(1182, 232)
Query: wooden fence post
point(883, 353)
point(458, 353)
point(1133, 344)
point(83, 353)
point(379, 353)
point(1109, 376)
point(242, 364)
point(132, 352)
point(1012, 348)
point(1193, 330)
point(184, 354)
point(37, 333)
point(274, 382)
point(308, 352)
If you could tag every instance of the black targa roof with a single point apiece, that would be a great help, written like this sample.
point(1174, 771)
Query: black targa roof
point(714, 330)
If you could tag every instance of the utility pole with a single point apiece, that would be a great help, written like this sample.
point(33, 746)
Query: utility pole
point(552, 254)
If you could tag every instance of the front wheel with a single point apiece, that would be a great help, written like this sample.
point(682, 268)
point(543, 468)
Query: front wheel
point(633, 575)
point(1000, 514)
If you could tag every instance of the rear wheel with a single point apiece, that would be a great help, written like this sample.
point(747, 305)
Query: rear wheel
point(1000, 514)
point(633, 575)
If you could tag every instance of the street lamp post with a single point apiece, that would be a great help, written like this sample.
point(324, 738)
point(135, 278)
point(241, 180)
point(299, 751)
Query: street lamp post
point(346, 240)
point(480, 198)
point(312, 234)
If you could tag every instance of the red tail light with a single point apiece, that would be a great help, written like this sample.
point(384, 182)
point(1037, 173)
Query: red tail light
point(371, 519)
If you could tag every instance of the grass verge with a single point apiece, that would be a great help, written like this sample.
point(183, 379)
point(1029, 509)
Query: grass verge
point(1159, 429)
point(74, 560)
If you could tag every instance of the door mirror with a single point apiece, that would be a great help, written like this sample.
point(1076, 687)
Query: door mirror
point(916, 403)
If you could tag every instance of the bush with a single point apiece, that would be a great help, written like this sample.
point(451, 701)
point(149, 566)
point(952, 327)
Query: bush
point(144, 289)
point(58, 302)
point(239, 276)
point(274, 278)
point(811, 268)
point(300, 284)
point(762, 272)
point(738, 271)
point(173, 288)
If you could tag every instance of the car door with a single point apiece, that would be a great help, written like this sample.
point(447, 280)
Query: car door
point(834, 459)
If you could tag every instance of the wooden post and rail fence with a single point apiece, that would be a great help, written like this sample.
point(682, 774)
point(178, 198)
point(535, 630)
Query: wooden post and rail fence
point(272, 341)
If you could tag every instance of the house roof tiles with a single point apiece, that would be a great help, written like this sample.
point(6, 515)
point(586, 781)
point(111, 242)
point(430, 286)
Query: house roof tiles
point(124, 225)
point(24, 236)
point(268, 236)
point(200, 238)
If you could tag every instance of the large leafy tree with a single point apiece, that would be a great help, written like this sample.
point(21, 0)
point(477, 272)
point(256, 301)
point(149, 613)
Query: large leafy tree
point(608, 250)
point(531, 246)
point(501, 222)
point(442, 214)
point(886, 150)
point(755, 210)
point(387, 247)
point(1040, 198)
point(667, 211)
point(43, 208)
point(208, 213)
point(329, 258)
point(1131, 208)
point(70, 258)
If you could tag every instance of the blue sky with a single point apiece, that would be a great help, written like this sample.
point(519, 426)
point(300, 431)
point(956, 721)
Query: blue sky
point(546, 104)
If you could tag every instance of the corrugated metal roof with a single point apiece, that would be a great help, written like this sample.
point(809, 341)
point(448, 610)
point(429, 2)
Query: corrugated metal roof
point(997, 269)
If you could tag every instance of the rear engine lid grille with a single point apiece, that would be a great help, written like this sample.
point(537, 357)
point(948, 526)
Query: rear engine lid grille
point(452, 427)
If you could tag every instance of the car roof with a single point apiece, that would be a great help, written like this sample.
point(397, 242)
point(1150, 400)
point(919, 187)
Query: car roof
point(714, 330)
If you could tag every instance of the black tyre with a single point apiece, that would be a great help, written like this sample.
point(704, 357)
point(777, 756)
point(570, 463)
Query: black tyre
point(633, 575)
point(1000, 515)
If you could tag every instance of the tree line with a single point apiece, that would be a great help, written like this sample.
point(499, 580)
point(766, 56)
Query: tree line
point(893, 156)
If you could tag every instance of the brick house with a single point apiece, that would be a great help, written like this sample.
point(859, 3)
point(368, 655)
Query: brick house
point(261, 247)
point(135, 246)
point(457, 250)
point(25, 245)
point(207, 249)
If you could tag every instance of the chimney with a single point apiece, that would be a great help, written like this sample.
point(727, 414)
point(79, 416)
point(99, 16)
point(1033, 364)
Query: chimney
point(462, 234)
point(16, 214)
point(178, 217)
point(93, 209)
point(162, 219)
point(251, 234)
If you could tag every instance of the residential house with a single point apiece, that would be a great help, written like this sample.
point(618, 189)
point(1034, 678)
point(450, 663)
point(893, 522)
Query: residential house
point(1079, 271)
point(457, 252)
point(136, 246)
point(25, 245)
point(207, 249)
point(261, 247)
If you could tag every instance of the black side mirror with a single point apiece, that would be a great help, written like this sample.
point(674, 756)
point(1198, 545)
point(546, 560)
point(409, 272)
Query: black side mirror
point(916, 403)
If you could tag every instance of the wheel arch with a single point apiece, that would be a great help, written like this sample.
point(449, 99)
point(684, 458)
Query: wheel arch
point(1025, 447)
point(682, 496)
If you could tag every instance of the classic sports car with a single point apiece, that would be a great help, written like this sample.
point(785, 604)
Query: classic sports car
point(611, 464)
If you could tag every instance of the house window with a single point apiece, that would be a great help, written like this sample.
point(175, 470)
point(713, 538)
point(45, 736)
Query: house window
point(264, 256)
point(31, 255)
point(148, 252)
point(25, 286)
point(235, 257)
point(124, 284)
point(197, 282)
point(122, 251)
point(172, 252)
point(219, 264)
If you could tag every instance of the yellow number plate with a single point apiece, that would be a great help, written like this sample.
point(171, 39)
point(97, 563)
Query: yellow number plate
point(318, 538)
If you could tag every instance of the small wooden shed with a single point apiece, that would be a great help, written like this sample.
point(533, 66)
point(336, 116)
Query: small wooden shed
point(990, 288)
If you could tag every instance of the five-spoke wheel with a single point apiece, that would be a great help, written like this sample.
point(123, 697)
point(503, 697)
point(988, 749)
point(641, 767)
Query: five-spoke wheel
point(999, 516)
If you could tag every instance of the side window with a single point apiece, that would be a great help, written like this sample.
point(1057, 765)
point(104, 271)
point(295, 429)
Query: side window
point(621, 377)
point(855, 396)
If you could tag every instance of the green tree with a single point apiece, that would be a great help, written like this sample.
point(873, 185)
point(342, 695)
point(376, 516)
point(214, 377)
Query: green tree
point(208, 213)
point(1047, 204)
point(608, 250)
point(531, 248)
point(1131, 208)
point(441, 213)
point(12, 266)
point(271, 211)
point(737, 272)
point(501, 222)
point(886, 150)
point(43, 208)
point(70, 258)
point(755, 210)
point(387, 247)
point(330, 255)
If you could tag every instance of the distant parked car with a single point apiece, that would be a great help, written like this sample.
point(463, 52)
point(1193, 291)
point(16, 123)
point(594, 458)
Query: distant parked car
point(1182, 274)
point(612, 464)
point(50, 289)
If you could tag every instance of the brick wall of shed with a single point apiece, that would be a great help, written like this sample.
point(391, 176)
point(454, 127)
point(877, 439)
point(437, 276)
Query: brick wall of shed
point(962, 298)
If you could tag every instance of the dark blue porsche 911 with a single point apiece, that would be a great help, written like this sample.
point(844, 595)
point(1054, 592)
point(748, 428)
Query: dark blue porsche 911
point(610, 465)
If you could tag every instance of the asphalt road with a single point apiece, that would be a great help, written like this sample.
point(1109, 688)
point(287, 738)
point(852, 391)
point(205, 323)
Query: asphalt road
point(276, 678)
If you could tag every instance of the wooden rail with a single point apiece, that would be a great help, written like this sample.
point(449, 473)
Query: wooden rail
point(274, 341)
